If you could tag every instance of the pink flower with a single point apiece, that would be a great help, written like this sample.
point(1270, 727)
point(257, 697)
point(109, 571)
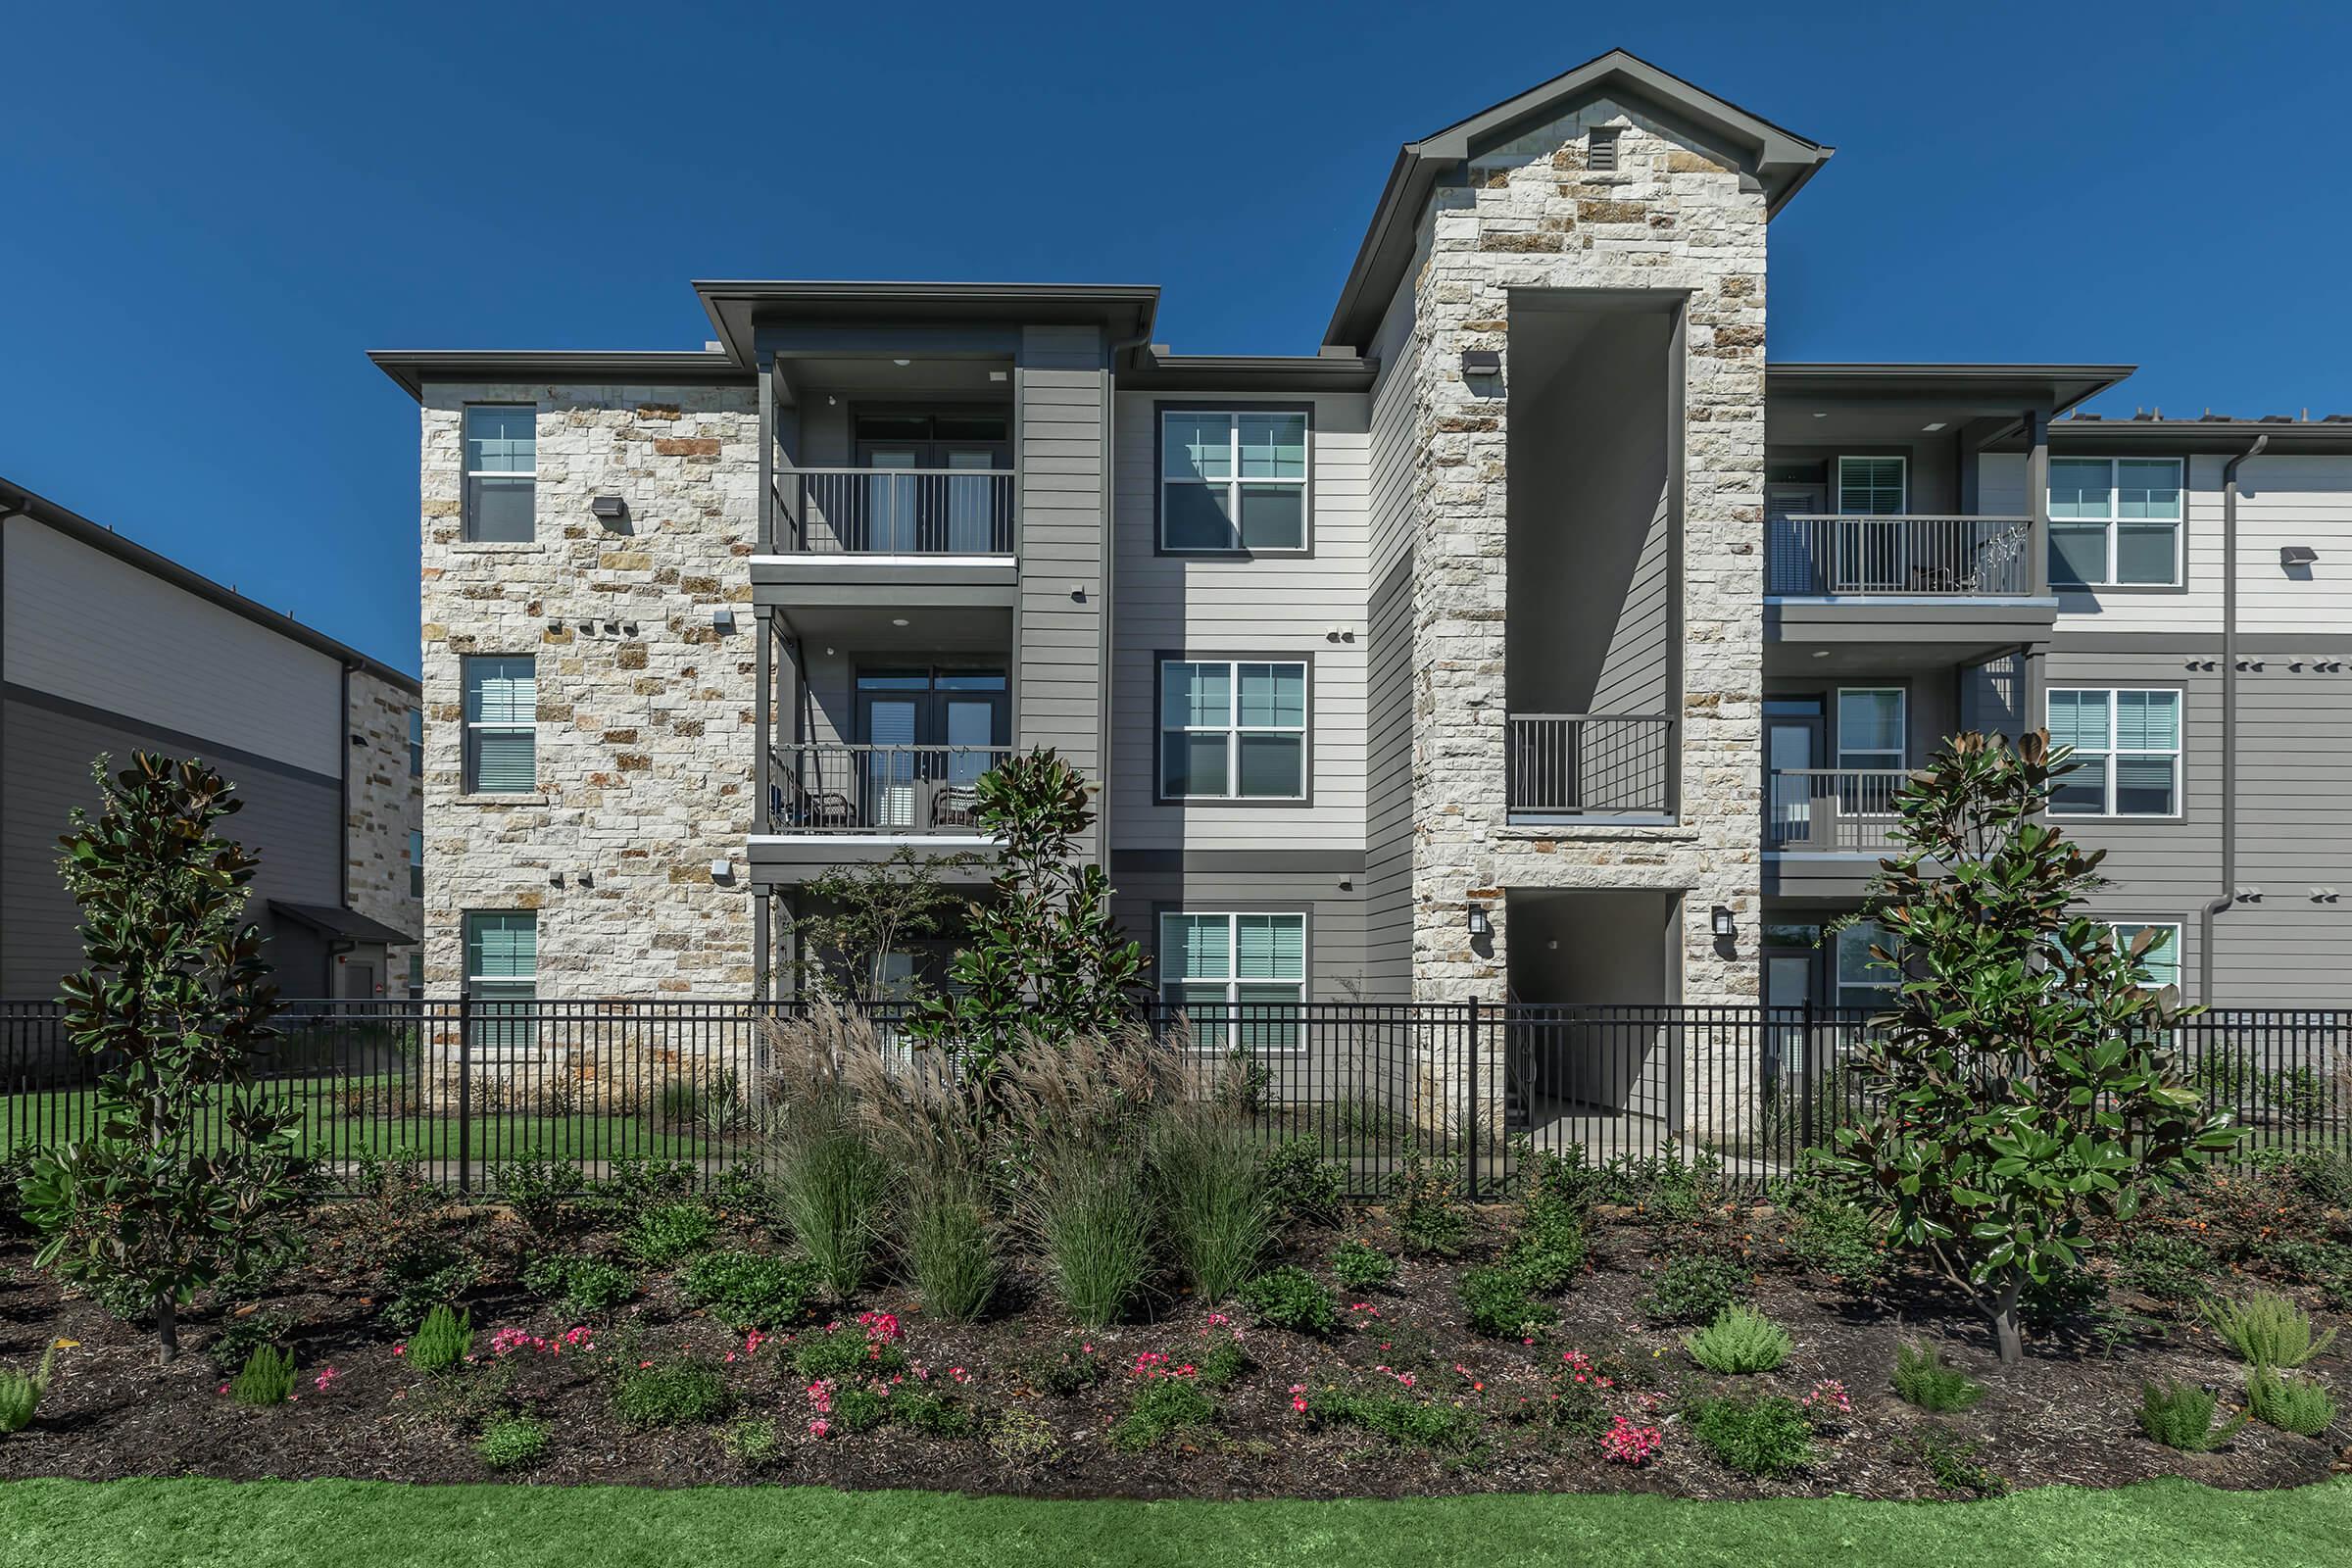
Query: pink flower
point(399, 1349)
point(1627, 1443)
point(1299, 1398)
point(1829, 1398)
point(326, 1376)
point(223, 1388)
point(820, 1427)
point(955, 1372)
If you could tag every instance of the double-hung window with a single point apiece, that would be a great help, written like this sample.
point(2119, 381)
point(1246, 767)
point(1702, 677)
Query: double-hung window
point(1870, 747)
point(1239, 978)
point(502, 471)
point(2115, 521)
point(2162, 961)
point(2127, 752)
point(502, 712)
point(1232, 729)
point(1232, 480)
point(501, 974)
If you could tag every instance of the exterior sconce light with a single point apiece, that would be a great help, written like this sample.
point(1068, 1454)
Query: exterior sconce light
point(2297, 554)
point(721, 870)
point(1479, 925)
point(1481, 361)
point(722, 619)
point(611, 511)
point(1723, 920)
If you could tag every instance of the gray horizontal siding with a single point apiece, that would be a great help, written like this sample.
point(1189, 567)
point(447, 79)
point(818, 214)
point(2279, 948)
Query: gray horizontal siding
point(1062, 380)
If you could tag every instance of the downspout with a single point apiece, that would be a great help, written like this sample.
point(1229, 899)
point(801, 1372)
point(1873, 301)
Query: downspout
point(2227, 898)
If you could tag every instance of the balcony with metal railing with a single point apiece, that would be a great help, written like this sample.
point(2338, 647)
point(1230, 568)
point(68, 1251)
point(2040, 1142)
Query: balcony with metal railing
point(894, 791)
point(1942, 579)
point(1576, 765)
point(894, 512)
point(1833, 811)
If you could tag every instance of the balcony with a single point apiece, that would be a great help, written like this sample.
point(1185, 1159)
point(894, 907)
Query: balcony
point(1833, 810)
point(896, 791)
point(895, 511)
point(1914, 578)
point(1591, 766)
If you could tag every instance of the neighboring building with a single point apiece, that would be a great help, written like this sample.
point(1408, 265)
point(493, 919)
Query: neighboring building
point(1535, 637)
point(108, 648)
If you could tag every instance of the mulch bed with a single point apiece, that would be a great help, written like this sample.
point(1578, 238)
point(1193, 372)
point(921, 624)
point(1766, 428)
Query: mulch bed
point(2066, 1415)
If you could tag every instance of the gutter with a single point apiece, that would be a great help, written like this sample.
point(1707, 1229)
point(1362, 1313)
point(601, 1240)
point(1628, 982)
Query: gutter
point(2227, 899)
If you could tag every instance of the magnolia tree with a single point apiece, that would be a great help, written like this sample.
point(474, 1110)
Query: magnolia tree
point(1044, 958)
point(2023, 1076)
point(187, 1177)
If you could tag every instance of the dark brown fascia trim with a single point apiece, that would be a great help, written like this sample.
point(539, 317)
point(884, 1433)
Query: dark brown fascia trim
point(16, 500)
point(736, 305)
point(1250, 373)
point(412, 368)
point(2200, 437)
point(1784, 161)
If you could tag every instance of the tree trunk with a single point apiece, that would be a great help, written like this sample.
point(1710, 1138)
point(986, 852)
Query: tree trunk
point(2008, 1322)
point(167, 1329)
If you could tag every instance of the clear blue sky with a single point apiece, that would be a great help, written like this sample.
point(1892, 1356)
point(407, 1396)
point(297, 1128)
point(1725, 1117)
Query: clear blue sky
point(213, 211)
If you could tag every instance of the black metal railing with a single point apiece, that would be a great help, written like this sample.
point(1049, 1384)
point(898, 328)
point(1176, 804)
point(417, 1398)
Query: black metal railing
point(1833, 811)
point(1591, 764)
point(833, 788)
point(925, 512)
point(1837, 556)
point(469, 1085)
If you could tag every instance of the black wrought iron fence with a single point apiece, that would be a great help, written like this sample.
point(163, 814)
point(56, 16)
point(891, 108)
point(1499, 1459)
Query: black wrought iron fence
point(471, 1085)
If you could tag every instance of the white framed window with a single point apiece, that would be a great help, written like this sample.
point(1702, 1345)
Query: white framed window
point(1870, 726)
point(2115, 521)
point(501, 974)
point(1232, 729)
point(502, 721)
point(2127, 752)
point(2162, 961)
point(1240, 978)
point(1233, 480)
point(502, 472)
point(1873, 487)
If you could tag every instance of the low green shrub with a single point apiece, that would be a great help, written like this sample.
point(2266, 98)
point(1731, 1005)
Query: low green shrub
point(1667, 1184)
point(1427, 1208)
point(667, 1233)
point(512, 1443)
point(20, 1393)
point(1289, 1297)
point(754, 1444)
point(580, 1287)
point(2165, 1268)
point(639, 1182)
point(442, 1341)
point(1496, 1304)
point(847, 1353)
point(1922, 1378)
point(1361, 1266)
point(1408, 1423)
point(1221, 1360)
point(1831, 1236)
point(1766, 1436)
point(1021, 1439)
point(546, 1194)
point(671, 1393)
point(858, 1409)
point(2290, 1403)
point(1301, 1186)
point(934, 1415)
point(1694, 1288)
point(2266, 1329)
point(1953, 1462)
point(235, 1339)
point(1076, 1366)
point(751, 1290)
point(2181, 1415)
point(266, 1378)
point(1549, 1248)
point(1741, 1342)
point(1161, 1408)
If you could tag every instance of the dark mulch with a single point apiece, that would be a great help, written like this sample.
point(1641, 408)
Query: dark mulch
point(2066, 1415)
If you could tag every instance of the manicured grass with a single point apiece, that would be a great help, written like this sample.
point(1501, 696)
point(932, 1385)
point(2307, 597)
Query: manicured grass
point(329, 1524)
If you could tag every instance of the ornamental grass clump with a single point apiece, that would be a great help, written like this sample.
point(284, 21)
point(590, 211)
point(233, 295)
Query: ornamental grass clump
point(266, 1378)
point(1922, 1378)
point(2181, 1415)
point(512, 1443)
point(1211, 1181)
point(2266, 1329)
point(2297, 1404)
point(1742, 1341)
point(443, 1340)
point(950, 1246)
point(832, 1186)
point(21, 1394)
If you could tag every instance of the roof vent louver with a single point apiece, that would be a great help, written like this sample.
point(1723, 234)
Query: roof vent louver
point(1600, 150)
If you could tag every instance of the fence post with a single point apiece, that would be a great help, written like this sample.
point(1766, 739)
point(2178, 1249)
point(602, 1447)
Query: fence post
point(464, 1089)
point(1470, 1109)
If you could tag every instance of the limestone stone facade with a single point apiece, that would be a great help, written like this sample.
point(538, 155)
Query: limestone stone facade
point(383, 805)
point(1672, 215)
point(646, 708)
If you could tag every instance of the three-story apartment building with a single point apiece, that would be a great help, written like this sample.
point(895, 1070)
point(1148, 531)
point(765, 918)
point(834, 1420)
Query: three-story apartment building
point(1536, 637)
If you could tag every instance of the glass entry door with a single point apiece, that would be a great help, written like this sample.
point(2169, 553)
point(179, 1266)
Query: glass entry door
point(929, 736)
point(1796, 738)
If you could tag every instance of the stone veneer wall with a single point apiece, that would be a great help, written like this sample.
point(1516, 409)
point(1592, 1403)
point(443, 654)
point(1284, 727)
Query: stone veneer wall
point(1673, 216)
point(385, 805)
point(646, 712)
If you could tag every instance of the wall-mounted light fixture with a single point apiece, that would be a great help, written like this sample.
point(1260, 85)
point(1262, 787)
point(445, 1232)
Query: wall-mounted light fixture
point(722, 619)
point(721, 870)
point(2297, 554)
point(611, 511)
point(1481, 361)
point(1723, 920)
point(1479, 925)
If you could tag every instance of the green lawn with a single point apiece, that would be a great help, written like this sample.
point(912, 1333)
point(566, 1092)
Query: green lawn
point(329, 1524)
